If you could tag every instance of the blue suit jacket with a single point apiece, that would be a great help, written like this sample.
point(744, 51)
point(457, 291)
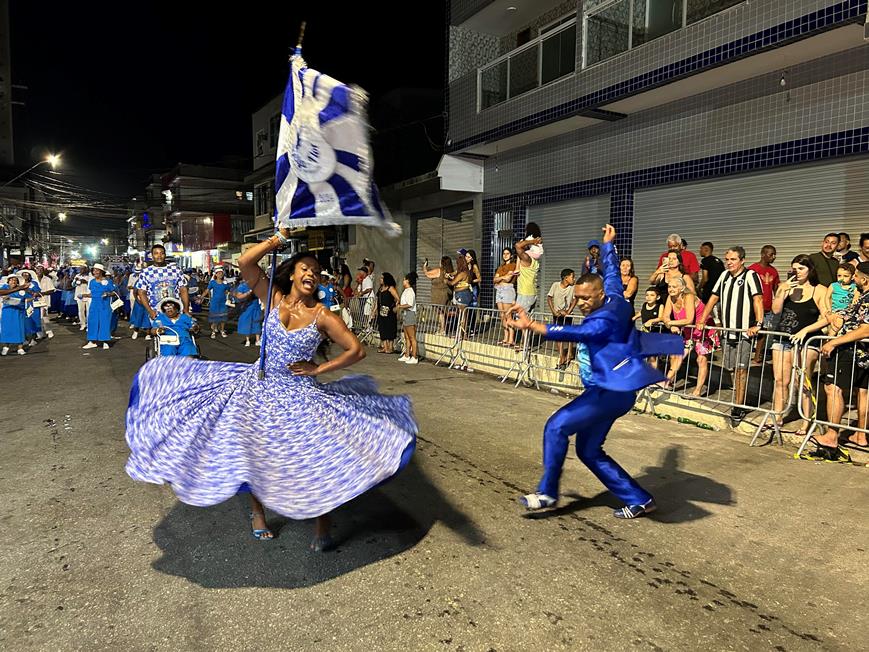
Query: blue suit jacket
point(616, 348)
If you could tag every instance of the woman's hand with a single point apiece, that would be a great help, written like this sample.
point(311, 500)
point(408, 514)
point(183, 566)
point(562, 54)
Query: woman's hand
point(304, 368)
point(799, 336)
point(675, 330)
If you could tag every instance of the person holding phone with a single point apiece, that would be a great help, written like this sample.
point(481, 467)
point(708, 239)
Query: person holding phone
point(800, 302)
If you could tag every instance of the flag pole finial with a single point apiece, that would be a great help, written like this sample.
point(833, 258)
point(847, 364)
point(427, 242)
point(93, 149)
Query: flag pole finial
point(298, 50)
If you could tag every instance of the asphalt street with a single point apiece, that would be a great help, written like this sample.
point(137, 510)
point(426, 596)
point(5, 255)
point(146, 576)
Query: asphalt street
point(750, 550)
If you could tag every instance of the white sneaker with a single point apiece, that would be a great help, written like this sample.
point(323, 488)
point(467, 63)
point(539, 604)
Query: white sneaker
point(89, 345)
point(130, 327)
point(22, 352)
point(31, 344)
point(147, 338)
point(135, 335)
point(403, 358)
point(105, 346)
point(4, 351)
point(49, 334)
point(83, 327)
point(223, 333)
point(412, 361)
point(213, 335)
point(247, 342)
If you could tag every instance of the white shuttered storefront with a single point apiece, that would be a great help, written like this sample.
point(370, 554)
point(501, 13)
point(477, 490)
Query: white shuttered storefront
point(436, 237)
point(790, 209)
point(567, 227)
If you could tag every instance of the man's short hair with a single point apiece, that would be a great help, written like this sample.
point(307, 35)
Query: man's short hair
point(863, 238)
point(566, 272)
point(739, 251)
point(591, 279)
point(765, 247)
point(157, 246)
point(708, 244)
point(674, 237)
point(842, 233)
point(863, 268)
point(831, 235)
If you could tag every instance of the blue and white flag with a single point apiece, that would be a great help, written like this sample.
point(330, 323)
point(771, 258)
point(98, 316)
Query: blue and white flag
point(324, 164)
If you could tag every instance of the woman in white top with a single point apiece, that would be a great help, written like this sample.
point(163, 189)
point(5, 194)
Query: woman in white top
point(407, 305)
point(82, 295)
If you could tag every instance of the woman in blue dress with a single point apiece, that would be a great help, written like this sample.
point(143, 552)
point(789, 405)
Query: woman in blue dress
point(139, 320)
point(217, 311)
point(250, 314)
point(15, 294)
point(170, 321)
point(301, 447)
point(101, 291)
point(70, 307)
point(32, 316)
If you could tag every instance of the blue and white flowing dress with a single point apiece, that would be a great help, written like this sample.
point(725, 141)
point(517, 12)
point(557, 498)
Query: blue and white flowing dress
point(301, 446)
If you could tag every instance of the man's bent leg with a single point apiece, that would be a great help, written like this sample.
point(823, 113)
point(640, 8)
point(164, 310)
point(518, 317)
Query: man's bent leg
point(556, 435)
point(589, 447)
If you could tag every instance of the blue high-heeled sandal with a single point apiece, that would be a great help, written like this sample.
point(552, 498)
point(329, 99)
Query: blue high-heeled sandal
point(260, 535)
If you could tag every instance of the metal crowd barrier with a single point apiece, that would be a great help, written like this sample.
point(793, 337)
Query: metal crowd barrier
point(470, 338)
point(840, 368)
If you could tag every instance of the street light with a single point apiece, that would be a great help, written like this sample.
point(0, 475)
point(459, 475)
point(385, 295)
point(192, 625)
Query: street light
point(61, 217)
point(105, 241)
point(52, 159)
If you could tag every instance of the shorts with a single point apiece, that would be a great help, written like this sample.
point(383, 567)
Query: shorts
point(408, 318)
point(842, 372)
point(527, 301)
point(737, 353)
point(562, 320)
point(505, 294)
point(463, 298)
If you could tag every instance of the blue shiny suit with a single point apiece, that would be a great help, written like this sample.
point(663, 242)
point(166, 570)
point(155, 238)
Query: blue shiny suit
point(616, 350)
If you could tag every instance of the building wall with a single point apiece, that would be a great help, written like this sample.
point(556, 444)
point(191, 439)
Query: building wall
point(265, 125)
point(623, 73)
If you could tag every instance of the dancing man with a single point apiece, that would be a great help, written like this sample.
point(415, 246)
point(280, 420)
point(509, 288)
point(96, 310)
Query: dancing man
point(612, 368)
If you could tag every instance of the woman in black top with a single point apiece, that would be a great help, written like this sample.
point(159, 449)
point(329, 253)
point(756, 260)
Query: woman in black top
point(387, 317)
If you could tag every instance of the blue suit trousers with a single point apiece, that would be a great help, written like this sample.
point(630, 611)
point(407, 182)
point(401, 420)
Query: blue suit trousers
point(589, 417)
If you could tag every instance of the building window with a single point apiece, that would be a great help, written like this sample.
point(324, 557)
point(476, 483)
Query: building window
point(274, 130)
point(264, 199)
point(261, 142)
point(616, 26)
point(502, 235)
point(550, 56)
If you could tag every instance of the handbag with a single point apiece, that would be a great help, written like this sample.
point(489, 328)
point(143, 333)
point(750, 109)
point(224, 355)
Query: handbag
point(384, 311)
point(28, 311)
point(117, 303)
point(347, 317)
point(230, 302)
point(40, 303)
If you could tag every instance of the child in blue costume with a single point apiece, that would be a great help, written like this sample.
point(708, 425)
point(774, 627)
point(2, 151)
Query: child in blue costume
point(170, 321)
point(217, 310)
point(15, 294)
point(250, 314)
point(102, 292)
point(302, 447)
point(611, 353)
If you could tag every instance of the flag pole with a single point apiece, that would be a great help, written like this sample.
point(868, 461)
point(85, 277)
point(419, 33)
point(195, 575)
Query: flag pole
point(274, 264)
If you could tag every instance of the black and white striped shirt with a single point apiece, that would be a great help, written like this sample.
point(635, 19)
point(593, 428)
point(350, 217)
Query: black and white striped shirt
point(735, 295)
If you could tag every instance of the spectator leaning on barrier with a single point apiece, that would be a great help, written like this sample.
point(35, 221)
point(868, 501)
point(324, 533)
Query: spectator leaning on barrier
point(689, 260)
point(591, 264)
point(848, 365)
point(769, 279)
point(630, 282)
point(800, 302)
point(863, 254)
point(825, 261)
point(561, 302)
point(739, 295)
point(671, 268)
point(711, 268)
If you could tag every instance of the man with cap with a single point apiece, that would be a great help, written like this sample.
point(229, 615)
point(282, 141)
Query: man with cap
point(848, 366)
point(46, 288)
point(326, 292)
point(365, 289)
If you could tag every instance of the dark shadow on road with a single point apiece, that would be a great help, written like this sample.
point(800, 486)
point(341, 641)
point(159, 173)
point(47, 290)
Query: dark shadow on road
point(676, 492)
point(213, 547)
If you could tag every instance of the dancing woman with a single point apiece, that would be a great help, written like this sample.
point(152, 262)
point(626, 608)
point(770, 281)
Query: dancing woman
point(301, 447)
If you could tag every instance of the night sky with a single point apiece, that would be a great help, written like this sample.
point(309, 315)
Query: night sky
point(124, 89)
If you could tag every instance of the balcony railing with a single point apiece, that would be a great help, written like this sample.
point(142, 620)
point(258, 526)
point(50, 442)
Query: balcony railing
point(611, 27)
point(549, 57)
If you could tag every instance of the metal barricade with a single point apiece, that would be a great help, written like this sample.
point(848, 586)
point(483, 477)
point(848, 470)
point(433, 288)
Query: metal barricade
point(717, 368)
point(550, 363)
point(845, 387)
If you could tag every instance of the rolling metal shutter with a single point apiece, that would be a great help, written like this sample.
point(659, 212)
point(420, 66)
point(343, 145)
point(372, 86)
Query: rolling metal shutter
point(567, 227)
point(790, 209)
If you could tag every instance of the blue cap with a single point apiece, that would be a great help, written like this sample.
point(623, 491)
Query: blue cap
point(593, 243)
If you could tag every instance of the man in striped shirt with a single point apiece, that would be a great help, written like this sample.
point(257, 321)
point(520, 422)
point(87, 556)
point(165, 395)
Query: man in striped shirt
point(739, 294)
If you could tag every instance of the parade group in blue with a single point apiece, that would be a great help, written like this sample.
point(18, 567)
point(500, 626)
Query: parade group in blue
point(302, 447)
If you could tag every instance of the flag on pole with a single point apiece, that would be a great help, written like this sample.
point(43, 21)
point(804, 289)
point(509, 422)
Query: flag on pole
point(324, 164)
